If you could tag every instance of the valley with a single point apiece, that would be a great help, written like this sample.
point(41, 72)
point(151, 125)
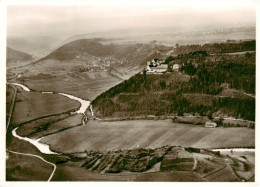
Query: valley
point(129, 91)
point(103, 143)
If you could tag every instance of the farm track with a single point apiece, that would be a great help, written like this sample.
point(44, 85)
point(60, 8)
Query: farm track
point(37, 156)
point(28, 154)
point(32, 155)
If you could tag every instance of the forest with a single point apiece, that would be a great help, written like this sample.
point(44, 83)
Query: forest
point(217, 47)
point(165, 94)
point(206, 77)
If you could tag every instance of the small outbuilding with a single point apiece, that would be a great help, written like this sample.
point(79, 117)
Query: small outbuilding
point(176, 67)
point(210, 124)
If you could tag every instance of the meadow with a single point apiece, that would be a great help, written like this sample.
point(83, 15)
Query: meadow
point(98, 135)
point(10, 94)
point(26, 168)
point(32, 105)
point(86, 85)
point(68, 172)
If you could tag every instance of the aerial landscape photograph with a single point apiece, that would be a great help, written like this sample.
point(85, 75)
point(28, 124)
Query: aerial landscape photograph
point(130, 91)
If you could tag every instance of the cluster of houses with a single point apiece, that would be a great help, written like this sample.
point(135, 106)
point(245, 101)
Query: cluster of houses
point(159, 66)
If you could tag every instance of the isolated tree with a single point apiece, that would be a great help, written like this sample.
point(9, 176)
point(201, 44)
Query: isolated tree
point(144, 73)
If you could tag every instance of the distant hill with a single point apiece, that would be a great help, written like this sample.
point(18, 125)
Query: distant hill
point(125, 59)
point(37, 46)
point(89, 63)
point(93, 47)
point(80, 47)
point(13, 56)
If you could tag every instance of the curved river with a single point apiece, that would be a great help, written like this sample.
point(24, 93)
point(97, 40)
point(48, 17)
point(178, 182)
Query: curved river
point(44, 148)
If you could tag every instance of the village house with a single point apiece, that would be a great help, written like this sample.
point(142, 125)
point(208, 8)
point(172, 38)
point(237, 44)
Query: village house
point(210, 124)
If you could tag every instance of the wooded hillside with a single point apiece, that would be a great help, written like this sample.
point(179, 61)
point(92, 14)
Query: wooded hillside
point(207, 76)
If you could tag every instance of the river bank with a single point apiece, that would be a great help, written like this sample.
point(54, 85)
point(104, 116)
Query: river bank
point(44, 148)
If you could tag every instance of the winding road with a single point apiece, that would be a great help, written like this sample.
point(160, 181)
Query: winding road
point(42, 147)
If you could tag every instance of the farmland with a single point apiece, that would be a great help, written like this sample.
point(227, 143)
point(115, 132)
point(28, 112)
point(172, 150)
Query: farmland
point(43, 76)
point(72, 173)
point(84, 67)
point(136, 150)
point(26, 168)
point(49, 125)
point(167, 163)
point(31, 105)
point(10, 98)
point(85, 85)
point(147, 134)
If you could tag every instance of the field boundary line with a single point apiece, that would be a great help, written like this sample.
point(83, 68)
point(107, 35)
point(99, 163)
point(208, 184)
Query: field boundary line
point(214, 171)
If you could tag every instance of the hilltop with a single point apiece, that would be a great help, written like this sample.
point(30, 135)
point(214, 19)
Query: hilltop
point(90, 55)
point(15, 56)
point(207, 84)
point(86, 67)
point(94, 47)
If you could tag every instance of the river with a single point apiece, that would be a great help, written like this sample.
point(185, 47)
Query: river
point(234, 150)
point(44, 148)
point(22, 86)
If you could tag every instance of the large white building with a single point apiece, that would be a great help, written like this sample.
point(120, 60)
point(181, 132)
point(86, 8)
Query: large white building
point(156, 67)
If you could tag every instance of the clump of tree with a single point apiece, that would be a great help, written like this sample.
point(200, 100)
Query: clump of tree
point(169, 59)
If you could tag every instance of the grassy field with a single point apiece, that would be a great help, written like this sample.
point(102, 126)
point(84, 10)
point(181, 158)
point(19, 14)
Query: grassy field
point(71, 173)
point(26, 168)
point(147, 134)
point(87, 85)
point(62, 78)
point(31, 105)
point(179, 164)
point(9, 98)
point(33, 128)
point(224, 175)
point(38, 129)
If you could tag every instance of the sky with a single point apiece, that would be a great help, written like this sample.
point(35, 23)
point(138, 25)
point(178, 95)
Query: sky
point(48, 18)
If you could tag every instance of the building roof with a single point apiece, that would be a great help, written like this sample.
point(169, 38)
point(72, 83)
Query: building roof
point(162, 66)
point(210, 123)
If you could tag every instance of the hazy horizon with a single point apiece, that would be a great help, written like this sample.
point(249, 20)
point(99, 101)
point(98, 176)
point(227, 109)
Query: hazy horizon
point(66, 21)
